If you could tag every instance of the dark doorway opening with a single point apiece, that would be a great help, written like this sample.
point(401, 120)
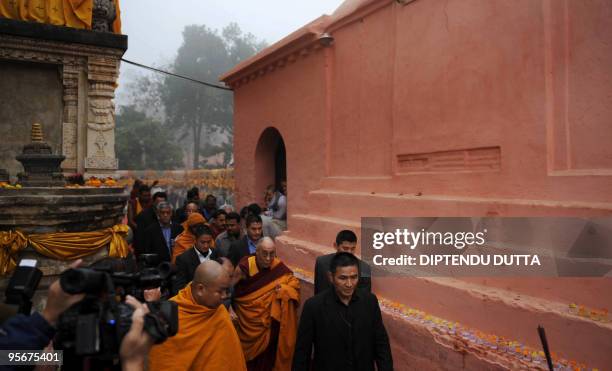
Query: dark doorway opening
point(270, 161)
point(280, 168)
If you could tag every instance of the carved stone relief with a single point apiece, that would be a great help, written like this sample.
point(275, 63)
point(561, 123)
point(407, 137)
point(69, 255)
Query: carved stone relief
point(101, 67)
point(102, 74)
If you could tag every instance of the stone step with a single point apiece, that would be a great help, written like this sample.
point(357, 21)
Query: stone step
point(321, 230)
point(353, 205)
point(489, 309)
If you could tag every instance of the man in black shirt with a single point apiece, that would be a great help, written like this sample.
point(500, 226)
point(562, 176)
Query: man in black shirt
point(344, 325)
point(346, 241)
point(144, 220)
point(248, 244)
point(188, 262)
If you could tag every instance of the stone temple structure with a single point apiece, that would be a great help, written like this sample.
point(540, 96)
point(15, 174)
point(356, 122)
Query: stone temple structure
point(65, 79)
point(57, 82)
point(441, 108)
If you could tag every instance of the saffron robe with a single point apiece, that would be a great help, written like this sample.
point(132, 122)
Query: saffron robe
point(266, 304)
point(206, 340)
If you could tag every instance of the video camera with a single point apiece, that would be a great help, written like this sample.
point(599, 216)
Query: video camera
point(20, 289)
point(95, 326)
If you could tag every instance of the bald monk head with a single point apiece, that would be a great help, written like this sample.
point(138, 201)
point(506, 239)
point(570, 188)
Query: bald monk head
point(226, 263)
point(265, 252)
point(210, 286)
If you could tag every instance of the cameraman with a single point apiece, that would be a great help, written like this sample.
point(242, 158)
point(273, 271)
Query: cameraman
point(137, 342)
point(35, 332)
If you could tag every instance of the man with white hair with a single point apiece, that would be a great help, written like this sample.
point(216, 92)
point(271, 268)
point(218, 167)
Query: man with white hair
point(159, 237)
point(266, 299)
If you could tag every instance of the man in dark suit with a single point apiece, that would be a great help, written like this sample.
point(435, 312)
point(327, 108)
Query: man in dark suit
point(346, 241)
point(248, 244)
point(187, 262)
point(159, 237)
point(145, 219)
point(343, 325)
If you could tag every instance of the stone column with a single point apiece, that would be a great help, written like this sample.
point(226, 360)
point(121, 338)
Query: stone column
point(70, 81)
point(102, 76)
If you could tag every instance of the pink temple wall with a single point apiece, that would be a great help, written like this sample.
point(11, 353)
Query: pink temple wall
point(293, 104)
point(446, 108)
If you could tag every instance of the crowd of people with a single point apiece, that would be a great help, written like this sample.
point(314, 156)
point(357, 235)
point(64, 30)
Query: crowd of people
point(238, 303)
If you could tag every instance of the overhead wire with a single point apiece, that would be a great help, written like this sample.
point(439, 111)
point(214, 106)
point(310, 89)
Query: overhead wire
point(175, 75)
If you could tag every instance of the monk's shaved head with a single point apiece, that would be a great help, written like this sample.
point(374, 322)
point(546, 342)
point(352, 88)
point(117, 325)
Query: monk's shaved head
point(210, 284)
point(208, 272)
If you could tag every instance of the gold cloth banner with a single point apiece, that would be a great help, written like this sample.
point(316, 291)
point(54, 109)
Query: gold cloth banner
point(70, 13)
point(63, 245)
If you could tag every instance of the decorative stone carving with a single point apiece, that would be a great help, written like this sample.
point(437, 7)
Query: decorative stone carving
point(103, 15)
point(88, 120)
point(101, 163)
point(102, 74)
point(69, 144)
point(69, 127)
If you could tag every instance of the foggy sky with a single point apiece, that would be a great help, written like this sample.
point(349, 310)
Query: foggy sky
point(154, 27)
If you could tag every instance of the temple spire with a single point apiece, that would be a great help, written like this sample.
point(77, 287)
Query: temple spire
point(37, 133)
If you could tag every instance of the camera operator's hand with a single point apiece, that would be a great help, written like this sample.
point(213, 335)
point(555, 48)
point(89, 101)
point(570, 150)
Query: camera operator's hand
point(137, 342)
point(58, 300)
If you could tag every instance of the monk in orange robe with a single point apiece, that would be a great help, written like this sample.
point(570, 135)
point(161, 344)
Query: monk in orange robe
point(206, 339)
point(266, 299)
point(186, 239)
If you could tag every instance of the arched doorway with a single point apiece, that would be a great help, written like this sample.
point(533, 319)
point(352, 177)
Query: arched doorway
point(270, 161)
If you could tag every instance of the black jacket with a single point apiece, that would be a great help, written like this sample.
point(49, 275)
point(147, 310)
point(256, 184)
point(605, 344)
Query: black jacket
point(154, 242)
point(26, 332)
point(344, 337)
point(143, 220)
point(186, 264)
point(22, 332)
point(321, 281)
point(238, 250)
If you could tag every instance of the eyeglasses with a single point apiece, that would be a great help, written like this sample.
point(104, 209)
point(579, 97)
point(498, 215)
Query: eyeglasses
point(269, 255)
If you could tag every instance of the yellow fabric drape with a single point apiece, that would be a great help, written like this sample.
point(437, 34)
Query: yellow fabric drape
point(78, 13)
point(71, 13)
point(117, 22)
point(55, 12)
point(63, 245)
point(10, 8)
point(256, 310)
point(37, 11)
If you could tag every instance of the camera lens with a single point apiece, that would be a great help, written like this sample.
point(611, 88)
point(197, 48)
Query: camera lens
point(166, 270)
point(79, 280)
